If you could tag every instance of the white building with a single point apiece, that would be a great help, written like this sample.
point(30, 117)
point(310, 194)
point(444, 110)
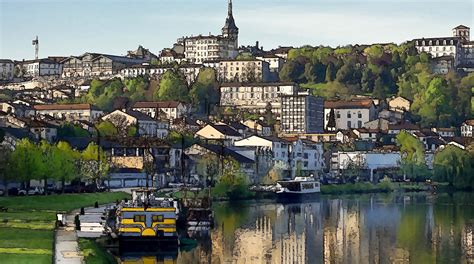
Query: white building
point(275, 62)
point(459, 47)
point(255, 97)
point(350, 114)
point(146, 126)
point(365, 160)
point(220, 133)
point(7, 70)
point(279, 147)
point(467, 128)
point(306, 156)
point(248, 70)
point(190, 71)
point(203, 48)
point(41, 67)
point(169, 109)
point(302, 113)
point(86, 112)
point(96, 64)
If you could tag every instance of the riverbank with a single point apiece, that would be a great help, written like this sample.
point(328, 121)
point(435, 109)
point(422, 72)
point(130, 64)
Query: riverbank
point(27, 223)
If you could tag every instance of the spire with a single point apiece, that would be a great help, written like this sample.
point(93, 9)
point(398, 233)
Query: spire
point(229, 9)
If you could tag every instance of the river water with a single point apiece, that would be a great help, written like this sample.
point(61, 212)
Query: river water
point(377, 228)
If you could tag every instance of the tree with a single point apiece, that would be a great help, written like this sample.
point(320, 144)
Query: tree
point(71, 130)
point(232, 183)
point(412, 154)
point(455, 166)
point(94, 165)
point(68, 160)
point(204, 91)
point(380, 90)
point(330, 72)
point(107, 129)
point(172, 87)
point(26, 162)
point(292, 71)
point(5, 156)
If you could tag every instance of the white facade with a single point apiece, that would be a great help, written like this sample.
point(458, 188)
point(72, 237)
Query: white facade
point(278, 147)
point(84, 112)
point(190, 71)
point(275, 62)
point(306, 156)
point(7, 70)
point(350, 114)
point(365, 160)
point(240, 70)
point(467, 128)
point(41, 67)
point(255, 97)
point(171, 109)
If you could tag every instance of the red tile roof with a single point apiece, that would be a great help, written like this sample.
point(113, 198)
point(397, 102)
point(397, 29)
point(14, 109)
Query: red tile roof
point(64, 107)
point(342, 104)
point(165, 104)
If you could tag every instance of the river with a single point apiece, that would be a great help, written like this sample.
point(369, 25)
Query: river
point(376, 228)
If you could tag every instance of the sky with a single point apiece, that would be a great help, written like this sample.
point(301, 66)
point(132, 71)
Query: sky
point(73, 27)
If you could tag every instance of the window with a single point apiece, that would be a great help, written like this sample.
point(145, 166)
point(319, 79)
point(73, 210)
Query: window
point(359, 114)
point(349, 124)
point(139, 218)
point(349, 115)
point(157, 218)
point(338, 115)
point(359, 124)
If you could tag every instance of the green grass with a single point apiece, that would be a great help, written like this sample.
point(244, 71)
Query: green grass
point(64, 202)
point(93, 253)
point(27, 228)
point(25, 258)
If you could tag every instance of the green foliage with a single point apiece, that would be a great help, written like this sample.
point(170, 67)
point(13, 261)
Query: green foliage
point(95, 254)
point(107, 129)
point(176, 138)
point(204, 92)
point(455, 166)
point(232, 183)
point(102, 94)
point(413, 162)
point(172, 87)
point(71, 130)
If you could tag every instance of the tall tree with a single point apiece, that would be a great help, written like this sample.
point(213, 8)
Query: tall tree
point(172, 87)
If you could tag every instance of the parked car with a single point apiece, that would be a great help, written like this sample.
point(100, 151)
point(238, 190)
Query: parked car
point(36, 191)
point(74, 188)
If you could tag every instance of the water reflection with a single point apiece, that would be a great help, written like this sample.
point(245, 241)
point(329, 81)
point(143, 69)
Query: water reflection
point(415, 228)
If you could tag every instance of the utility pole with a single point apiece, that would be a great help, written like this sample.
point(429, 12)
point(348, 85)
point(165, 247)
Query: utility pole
point(35, 43)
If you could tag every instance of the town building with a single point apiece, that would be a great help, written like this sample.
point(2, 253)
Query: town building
point(445, 131)
point(302, 113)
point(166, 109)
point(258, 127)
point(203, 48)
point(256, 97)
point(281, 52)
point(245, 70)
point(459, 47)
point(85, 112)
point(95, 64)
point(219, 133)
point(146, 126)
point(399, 104)
point(190, 71)
point(168, 56)
point(142, 54)
point(17, 109)
point(467, 128)
point(279, 147)
point(349, 114)
point(7, 70)
point(40, 67)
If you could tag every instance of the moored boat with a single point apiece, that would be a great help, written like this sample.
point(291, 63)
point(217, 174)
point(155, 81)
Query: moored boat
point(297, 188)
point(147, 218)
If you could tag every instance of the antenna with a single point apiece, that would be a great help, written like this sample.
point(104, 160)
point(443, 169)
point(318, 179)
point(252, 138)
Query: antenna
point(35, 43)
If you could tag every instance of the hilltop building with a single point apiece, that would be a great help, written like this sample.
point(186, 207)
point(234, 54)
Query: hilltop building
point(198, 49)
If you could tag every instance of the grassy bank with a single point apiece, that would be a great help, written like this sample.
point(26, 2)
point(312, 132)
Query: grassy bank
point(95, 254)
point(27, 227)
point(383, 187)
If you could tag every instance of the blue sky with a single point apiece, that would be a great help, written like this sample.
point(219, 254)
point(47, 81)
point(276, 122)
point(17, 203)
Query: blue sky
point(73, 27)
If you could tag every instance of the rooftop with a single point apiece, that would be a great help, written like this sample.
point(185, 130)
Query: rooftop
point(65, 107)
point(342, 104)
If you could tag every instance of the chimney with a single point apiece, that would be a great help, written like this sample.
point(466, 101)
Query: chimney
point(256, 44)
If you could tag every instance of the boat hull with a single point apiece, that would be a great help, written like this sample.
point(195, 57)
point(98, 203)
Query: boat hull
point(297, 197)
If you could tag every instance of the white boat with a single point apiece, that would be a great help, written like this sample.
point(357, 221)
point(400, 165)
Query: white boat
point(297, 187)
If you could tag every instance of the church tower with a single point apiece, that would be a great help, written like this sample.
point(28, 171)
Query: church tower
point(230, 30)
